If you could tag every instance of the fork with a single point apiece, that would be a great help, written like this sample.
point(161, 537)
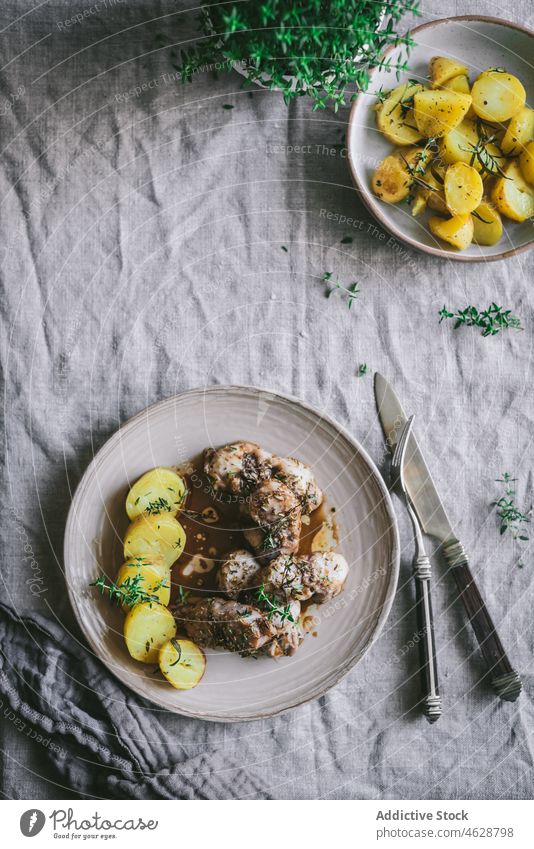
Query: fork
point(431, 699)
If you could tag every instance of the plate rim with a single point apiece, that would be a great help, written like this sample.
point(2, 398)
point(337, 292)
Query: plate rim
point(109, 444)
point(363, 191)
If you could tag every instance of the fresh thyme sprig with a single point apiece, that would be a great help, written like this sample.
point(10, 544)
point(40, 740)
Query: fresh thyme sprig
point(406, 101)
point(491, 321)
point(332, 286)
point(161, 505)
point(488, 161)
point(130, 592)
point(178, 649)
point(323, 50)
point(272, 606)
point(182, 596)
point(511, 517)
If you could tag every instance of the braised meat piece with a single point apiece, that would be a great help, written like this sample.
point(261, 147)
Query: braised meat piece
point(276, 513)
point(300, 479)
point(237, 468)
point(239, 572)
point(220, 623)
point(289, 635)
point(238, 627)
point(319, 576)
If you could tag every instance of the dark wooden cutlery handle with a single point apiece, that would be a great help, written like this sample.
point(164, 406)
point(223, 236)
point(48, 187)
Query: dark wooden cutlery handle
point(504, 679)
point(431, 701)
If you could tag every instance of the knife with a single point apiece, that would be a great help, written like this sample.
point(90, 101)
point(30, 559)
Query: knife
point(435, 522)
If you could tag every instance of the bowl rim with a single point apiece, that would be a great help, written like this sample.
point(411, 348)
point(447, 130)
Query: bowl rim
point(170, 401)
point(363, 191)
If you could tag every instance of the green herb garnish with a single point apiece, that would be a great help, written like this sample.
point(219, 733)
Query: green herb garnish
point(130, 592)
point(270, 604)
point(491, 321)
point(161, 505)
point(488, 161)
point(511, 517)
point(351, 291)
point(363, 368)
point(183, 595)
point(325, 50)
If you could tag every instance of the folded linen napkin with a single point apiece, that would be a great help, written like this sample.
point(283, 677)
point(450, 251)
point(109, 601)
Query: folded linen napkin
point(105, 742)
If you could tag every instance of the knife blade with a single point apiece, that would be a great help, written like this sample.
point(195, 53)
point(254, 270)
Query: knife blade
point(435, 522)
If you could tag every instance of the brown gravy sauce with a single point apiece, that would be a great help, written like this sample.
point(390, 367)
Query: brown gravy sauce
point(208, 542)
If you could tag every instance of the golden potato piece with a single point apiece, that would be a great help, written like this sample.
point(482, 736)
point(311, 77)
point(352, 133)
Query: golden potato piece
point(441, 69)
point(497, 95)
point(182, 663)
point(459, 84)
point(436, 113)
point(393, 178)
point(432, 188)
point(520, 130)
point(160, 490)
point(436, 201)
point(458, 145)
point(456, 231)
point(394, 117)
point(147, 628)
point(150, 576)
point(487, 224)
point(526, 162)
point(419, 203)
point(463, 188)
point(155, 536)
point(512, 195)
point(391, 181)
point(463, 144)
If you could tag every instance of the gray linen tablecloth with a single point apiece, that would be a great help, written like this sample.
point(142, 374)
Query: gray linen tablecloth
point(142, 255)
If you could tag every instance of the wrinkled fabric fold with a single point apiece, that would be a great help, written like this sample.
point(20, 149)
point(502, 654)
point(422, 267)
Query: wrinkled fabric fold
point(91, 722)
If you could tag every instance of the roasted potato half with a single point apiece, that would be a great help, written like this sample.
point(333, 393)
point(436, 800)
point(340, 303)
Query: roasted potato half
point(160, 490)
point(512, 195)
point(497, 95)
point(147, 628)
point(463, 188)
point(151, 576)
point(459, 143)
point(519, 132)
point(392, 180)
point(456, 231)
point(487, 224)
point(394, 117)
point(436, 113)
point(526, 162)
point(182, 663)
point(161, 537)
point(459, 84)
point(442, 69)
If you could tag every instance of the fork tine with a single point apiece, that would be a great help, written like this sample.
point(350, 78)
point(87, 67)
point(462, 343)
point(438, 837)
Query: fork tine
point(400, 448)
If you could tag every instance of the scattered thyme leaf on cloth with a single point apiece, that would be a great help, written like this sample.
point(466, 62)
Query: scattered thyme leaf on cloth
point(510, 516)
point(352, 291)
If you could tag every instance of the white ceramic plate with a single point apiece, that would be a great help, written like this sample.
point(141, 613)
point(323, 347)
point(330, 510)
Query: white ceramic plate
point(176, 430)
point(480, 43)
